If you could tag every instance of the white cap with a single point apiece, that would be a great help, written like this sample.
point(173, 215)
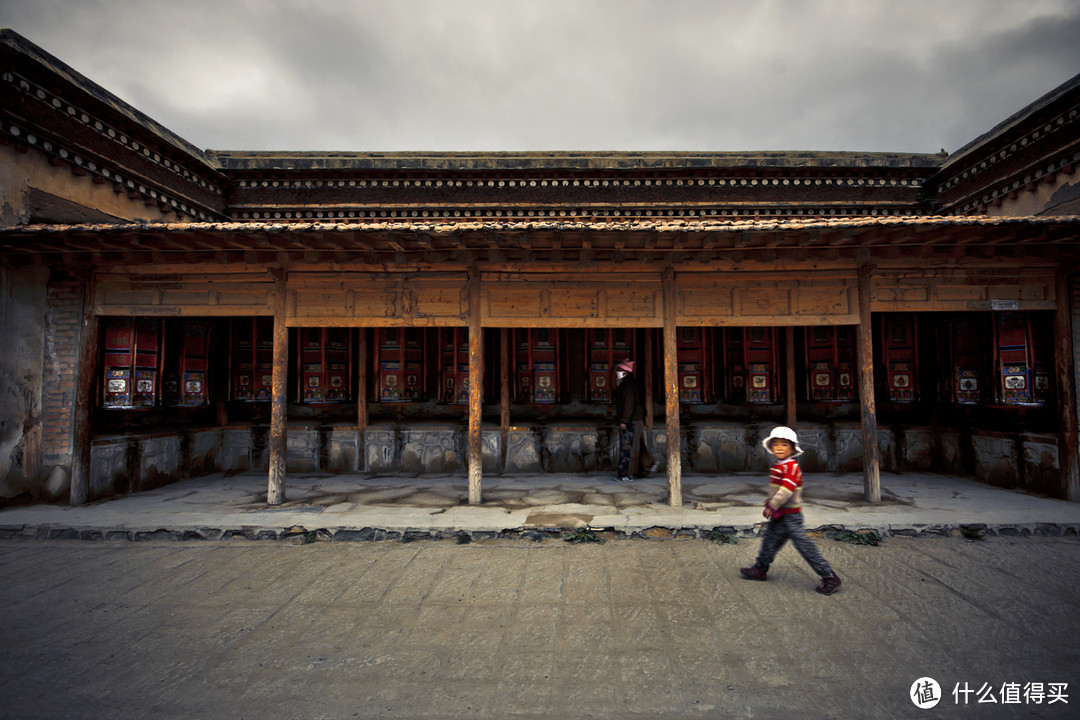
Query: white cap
point(782, 432)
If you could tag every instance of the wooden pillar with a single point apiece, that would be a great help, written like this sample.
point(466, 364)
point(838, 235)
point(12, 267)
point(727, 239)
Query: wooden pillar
point(789, 369)
point(649, 381)
point(476, 390)
point(221, 410)
point(504, 392)
point(362, 394)
point(275, 489)
point(865, 343)
point(84, 396)
point(671, 393)
point(1065, 370)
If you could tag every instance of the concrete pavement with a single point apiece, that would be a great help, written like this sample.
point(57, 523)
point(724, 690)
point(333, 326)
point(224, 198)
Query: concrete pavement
point(519, 629)
point(357, 507)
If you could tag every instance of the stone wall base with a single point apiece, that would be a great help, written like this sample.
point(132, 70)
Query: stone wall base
point(130, 463)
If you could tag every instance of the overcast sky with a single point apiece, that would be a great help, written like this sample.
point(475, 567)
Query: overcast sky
point(488, 75)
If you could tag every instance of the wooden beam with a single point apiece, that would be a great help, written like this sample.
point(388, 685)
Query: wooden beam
point(275, 489)
point(671, 393)
point(1065, 371)
point(84, 396)
point(865, 342)
point(476, 390)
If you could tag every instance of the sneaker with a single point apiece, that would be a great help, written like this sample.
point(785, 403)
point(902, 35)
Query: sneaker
point(829, 585)
point(754, 573)
point(655, 467)
point(623, 478)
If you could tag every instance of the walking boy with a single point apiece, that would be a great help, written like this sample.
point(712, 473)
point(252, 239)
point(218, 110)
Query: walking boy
point(783, 510)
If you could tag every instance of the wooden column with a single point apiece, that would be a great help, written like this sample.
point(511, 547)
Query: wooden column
point(476, 390)
point(222, 354)
point(1065, 369)
point(504, 391)
point(275, 489)
point(221, 410)
point(649, 381)
point(671, 393)
point(865, 343)
point(84, 396)
point(361, 394)
point(789, 370)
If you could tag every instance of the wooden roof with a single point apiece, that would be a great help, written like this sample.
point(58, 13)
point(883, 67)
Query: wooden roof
point(405, 242)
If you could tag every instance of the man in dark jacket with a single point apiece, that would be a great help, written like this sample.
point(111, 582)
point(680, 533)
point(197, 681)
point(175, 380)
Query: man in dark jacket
point(630, 412)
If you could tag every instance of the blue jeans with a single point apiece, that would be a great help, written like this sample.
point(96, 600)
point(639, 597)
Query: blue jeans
point(790, 527)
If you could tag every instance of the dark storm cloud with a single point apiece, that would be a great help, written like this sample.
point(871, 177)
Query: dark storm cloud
point(566, 75)
point(1009, 69)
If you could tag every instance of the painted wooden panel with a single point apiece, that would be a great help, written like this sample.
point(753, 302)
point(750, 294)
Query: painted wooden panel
point(440, 298)
point(186, 297)
point(951, 293)
point(622, 302)
point(572, 301)
point(964, 290)
point(705, 301)
point(825, 300)
point(510, 302)
point(122, 296)
point(243, 296)
point(754, 301)
point(375, 300)
point(373, 304)
point(315, 303)
point(566, 300)
point(195, 294)
point(782, 298)
point(902, 293)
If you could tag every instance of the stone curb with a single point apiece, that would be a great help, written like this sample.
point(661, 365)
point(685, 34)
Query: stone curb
point(298, 534)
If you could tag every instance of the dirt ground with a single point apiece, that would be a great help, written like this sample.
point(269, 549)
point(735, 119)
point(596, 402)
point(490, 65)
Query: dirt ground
point(498, 629)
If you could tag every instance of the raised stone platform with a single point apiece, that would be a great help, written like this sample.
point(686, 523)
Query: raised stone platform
point(138, 462)
point(347, 507)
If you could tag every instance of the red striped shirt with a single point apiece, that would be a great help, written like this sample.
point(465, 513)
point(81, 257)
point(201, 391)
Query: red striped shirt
point(787, 474)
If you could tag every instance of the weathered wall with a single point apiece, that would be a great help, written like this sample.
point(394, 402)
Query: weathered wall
point(22, 172)
point(1073, 289)
point(14, 188)
point(22, 317)
point(1052, 195)
point(64, 297)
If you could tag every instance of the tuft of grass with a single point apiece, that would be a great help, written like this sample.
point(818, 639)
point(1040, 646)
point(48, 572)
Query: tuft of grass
point(310, 536)
point(868, 537)
point(583, 535)
point(970, 533)
point(723, 538)
point(462, 538)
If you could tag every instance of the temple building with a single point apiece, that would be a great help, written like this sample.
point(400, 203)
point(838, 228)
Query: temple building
point(172, 312)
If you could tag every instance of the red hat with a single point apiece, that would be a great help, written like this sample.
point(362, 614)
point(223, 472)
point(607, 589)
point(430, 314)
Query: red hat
point(626, 366)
